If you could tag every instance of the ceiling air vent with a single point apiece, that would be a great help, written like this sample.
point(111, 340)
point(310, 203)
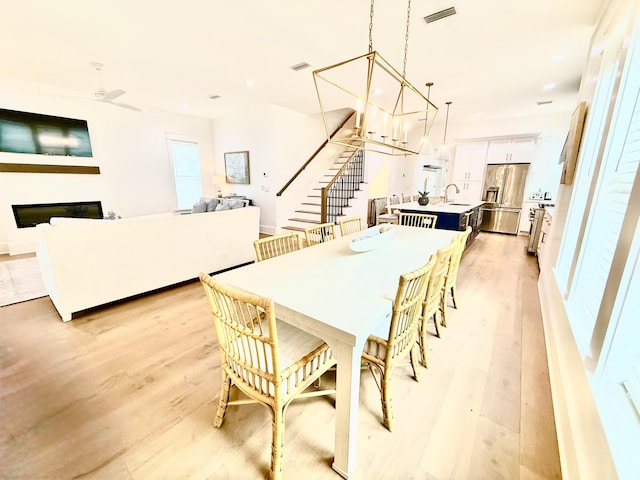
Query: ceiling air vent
point(447, 12)
point(544, 102)
point(299, 66)
point(214, 96)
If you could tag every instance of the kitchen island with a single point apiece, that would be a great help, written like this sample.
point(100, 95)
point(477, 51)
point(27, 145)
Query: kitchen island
point(451, 216)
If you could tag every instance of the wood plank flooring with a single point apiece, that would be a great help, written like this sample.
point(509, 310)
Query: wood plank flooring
point(130, 392)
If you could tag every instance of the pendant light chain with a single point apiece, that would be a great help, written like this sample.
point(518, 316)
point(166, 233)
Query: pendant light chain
point(426, 112)
point(406, 40)
point(371, 28)
point(446, 123)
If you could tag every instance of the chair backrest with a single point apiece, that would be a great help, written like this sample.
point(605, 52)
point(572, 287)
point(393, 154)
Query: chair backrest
point(406, 198)
point(320, 233)
point(248, 338)
point(433, 295)
point(456, 256)
point(395, 200)
point(415, 198)
point(423, 220)
point(403, 330)
point(350, 225)
point(276, 245)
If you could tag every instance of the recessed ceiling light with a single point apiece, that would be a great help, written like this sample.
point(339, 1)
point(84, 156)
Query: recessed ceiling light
point(377, 91)
point(558, 57)
point(299, 66)
point(250, 83)
point(549, 86)
point(479, 115)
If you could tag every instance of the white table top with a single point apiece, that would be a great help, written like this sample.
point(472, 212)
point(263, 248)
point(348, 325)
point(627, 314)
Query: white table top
point(336, 289)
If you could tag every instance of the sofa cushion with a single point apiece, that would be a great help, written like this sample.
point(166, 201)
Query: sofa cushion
point(212, 203)
point(234, 203)
point(223, 206)
point(199, 207)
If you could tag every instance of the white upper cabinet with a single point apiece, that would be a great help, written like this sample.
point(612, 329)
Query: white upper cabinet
point(470, 161)
point(511, 150)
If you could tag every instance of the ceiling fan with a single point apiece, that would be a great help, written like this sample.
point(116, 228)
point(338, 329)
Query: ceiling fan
point(102, 95)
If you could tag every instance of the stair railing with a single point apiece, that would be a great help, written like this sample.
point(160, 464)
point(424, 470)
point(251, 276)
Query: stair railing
point(314, 154)
point(341, 188)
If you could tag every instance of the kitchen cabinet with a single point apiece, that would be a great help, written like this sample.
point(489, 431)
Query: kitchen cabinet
point(544, 232)
point(511, 150)
point(451, 216)
point(470, 161)
point(525, 220)
point(468, 171)
point(470, 192)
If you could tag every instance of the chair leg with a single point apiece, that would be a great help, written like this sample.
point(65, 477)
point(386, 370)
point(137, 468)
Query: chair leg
point(224, 399)
point(277, 443)
point(422, 339)
point(443, 310)
point(413, 357)
point(435, 323)
point(453, 296)
point(385, 394)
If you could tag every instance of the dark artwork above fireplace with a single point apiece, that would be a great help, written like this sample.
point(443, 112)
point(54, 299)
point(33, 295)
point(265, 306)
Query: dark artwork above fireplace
point(24, 132)
point(31, 215)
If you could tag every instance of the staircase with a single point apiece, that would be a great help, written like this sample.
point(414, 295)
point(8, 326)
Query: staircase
point(339, 185)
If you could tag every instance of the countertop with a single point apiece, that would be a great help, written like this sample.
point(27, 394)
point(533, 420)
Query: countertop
point(454, 207)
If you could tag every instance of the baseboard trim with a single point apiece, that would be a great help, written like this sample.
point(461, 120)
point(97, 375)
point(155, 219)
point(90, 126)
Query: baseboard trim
point(582, 444)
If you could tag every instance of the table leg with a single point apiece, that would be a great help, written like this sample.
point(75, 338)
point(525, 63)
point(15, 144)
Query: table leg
point(347, 406)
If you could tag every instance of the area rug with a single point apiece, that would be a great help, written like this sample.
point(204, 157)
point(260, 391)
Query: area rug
point(20, 280)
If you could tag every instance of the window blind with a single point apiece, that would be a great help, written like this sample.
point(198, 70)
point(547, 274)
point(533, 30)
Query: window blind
point(185, 158)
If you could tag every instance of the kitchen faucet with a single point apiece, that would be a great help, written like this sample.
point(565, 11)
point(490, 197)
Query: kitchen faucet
point(446, 200)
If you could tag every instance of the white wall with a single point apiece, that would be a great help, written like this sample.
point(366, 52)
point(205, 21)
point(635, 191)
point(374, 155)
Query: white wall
point(129, 147)
point(279, 141)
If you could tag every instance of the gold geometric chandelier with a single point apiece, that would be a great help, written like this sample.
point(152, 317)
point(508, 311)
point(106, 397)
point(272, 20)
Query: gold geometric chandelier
point(389, 109)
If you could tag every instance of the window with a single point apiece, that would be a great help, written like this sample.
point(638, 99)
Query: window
point(185, 159)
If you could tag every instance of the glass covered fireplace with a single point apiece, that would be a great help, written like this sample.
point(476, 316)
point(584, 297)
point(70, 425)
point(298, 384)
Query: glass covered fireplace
point(31, 215)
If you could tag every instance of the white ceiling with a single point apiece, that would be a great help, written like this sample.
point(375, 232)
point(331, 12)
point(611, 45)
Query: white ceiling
point(491, 59)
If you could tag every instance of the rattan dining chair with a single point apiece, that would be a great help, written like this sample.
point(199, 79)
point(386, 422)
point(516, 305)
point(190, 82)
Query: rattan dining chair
point(323, 232)
point(275, 245)
point(432, 305)
point(398, 336)
point(452, 273)
point(350, 225)
point(269, 361)
point(423, 220)
point(392, 214)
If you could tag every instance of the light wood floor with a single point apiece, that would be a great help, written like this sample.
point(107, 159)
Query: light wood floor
point(130, 392)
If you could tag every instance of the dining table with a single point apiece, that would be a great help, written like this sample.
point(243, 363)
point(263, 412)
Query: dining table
point(341, 296)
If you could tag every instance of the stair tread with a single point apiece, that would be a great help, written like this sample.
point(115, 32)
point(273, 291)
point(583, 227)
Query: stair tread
point(291, 227)
point(303, 220)
point(312, 212)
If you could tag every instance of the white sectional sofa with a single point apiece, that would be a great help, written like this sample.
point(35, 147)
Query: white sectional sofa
point(86, 263)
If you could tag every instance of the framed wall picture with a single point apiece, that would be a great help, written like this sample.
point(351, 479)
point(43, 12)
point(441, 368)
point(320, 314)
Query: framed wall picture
point(571, 147)
point(236, 167)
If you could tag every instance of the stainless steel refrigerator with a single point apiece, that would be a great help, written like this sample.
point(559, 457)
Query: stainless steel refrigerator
point(503, 193)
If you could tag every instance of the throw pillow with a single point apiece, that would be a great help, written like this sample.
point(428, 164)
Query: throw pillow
point(222, 206)
point(199, 207)
point(212, 203)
